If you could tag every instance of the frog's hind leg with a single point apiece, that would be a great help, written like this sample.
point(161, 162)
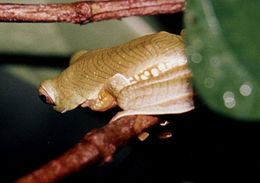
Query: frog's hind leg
point(169, 93)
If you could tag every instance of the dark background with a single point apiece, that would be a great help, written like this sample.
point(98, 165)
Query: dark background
point(205, 147)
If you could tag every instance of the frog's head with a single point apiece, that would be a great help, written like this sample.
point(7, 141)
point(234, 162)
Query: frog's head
point(62, 98)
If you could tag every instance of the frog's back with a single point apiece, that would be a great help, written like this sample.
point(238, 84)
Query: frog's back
point(132, 57)
point(129, 59)
point(144, 52)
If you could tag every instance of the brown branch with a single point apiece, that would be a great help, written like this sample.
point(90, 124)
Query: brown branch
point(83, 12)
point(98, 145)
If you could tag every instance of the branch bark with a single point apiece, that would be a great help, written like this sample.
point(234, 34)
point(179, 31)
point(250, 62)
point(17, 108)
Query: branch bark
point(83, 12)
point(97, 145)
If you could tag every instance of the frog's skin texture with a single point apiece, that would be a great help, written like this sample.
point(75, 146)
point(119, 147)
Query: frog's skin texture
point(148, 75)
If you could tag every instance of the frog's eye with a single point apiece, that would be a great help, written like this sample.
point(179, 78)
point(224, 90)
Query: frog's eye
point(44, 96)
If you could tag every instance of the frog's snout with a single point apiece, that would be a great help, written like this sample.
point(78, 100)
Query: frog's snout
point(44, 96)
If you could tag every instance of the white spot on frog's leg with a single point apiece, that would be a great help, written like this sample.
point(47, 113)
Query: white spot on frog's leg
point(161, 66)
point(155, 72)
point(146, 73)
point(245, 89)
point(143, 77)
point(229, 99)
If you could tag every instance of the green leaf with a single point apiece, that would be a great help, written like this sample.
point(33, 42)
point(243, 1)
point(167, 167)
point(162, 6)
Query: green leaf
point(223, 49)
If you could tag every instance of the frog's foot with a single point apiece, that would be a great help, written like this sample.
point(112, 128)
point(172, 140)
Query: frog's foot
point(177, 105)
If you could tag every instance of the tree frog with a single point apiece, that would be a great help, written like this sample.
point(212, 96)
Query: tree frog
point(145, 76)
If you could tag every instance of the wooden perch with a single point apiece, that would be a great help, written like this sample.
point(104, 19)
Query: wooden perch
point(83, 12)
point(97, 145)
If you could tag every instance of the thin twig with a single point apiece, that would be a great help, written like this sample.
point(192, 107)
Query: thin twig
point(98, 145)
point(83, 12)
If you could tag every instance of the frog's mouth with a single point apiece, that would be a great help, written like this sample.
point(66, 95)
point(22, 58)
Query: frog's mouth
point(61, 110)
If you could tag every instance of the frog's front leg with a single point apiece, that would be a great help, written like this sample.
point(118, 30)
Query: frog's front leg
point(107, 97)
point(104, 102)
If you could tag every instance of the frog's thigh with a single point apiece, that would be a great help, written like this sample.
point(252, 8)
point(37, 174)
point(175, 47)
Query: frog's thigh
point(173, 106)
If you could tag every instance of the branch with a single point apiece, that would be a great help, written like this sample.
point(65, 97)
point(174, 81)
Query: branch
point(98, 145)
point(87, 11)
